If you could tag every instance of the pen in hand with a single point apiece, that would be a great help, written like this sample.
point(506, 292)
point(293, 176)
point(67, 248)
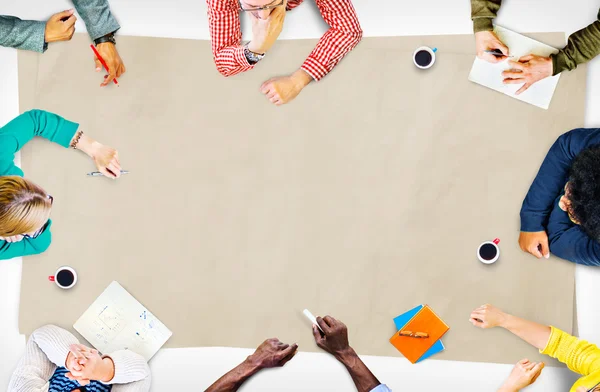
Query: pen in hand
point(497, 52)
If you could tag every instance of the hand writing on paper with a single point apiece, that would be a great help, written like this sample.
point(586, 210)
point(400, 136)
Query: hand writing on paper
point(535, 243)
point(282, 90)
point(528, 70)
point(85, 364)
point(487, 316)
point(60, 27)
point(273, 353)
point(523, 374)
point(488, 40)
point(111, 57)
point(266, 29)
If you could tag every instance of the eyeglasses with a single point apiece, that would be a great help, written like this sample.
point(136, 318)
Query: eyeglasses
point(594, 388)
point(41, 229)
point(267, 7)
point(410, 334)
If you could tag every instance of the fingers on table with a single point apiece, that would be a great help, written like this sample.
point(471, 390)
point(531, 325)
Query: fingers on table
point(545, 247)
point(534, 250)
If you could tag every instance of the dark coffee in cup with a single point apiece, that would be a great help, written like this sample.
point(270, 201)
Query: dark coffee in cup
point(65, 278)
point(488, 251)
point(423, 58)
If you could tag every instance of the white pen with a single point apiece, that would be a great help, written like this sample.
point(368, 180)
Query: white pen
point(97, 173)
point(312, 318)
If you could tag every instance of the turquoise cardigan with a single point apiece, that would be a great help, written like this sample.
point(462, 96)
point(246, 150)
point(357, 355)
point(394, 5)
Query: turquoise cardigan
point(13, 136)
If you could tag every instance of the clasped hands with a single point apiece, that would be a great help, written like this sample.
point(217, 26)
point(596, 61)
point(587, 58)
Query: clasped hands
point(86, 364)
point(61, 27)
point(283, 89)
point(527, 70)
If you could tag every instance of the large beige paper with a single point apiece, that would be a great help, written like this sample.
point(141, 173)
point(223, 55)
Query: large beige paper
point(366, 196)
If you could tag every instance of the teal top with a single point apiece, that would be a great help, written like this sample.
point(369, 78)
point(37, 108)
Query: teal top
point(13, 136)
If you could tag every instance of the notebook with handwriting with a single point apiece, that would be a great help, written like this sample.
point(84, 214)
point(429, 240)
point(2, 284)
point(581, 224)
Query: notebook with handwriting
point(425, 321)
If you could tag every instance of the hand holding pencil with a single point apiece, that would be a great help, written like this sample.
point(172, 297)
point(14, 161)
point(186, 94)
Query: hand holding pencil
point(106, 55)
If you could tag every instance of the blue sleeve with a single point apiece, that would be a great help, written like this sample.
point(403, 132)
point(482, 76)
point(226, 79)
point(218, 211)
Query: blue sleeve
point(27, 246)
point(568, 241)
point(22, 34)
point(98, 19)
point(381, 388)
point(15, 134)
point(552, 177)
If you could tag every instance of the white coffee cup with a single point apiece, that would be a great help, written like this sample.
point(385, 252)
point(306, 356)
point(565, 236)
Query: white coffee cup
point(55, 278)
point(426, 49)
point(485, 251)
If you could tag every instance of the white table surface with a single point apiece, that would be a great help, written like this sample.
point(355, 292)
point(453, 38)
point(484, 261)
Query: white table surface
point(196, 368)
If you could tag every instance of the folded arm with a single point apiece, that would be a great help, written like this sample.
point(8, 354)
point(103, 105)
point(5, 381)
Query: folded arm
point(98, 19)
point(226, 37)
point(27, 246)
point(343, 35)
point(582, 46)
point(483, 12)
point(22, 34)
point(35, 368)
point(568, 241)
point(552, 177)
point(131, 372)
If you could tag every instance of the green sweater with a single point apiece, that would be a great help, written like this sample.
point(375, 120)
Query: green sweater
point(13, 136)
point(583, 45)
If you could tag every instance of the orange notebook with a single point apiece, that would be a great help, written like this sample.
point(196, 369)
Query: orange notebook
point(426, 321)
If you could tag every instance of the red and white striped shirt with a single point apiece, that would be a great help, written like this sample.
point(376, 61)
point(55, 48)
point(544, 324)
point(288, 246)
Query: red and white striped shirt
point(343, 35)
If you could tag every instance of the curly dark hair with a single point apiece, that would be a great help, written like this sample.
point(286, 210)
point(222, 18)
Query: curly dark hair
point(584, 190)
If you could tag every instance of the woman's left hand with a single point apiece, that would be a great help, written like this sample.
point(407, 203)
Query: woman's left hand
point(107, 161)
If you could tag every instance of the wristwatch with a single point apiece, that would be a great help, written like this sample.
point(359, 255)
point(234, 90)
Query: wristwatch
point(110, 37)
point(252, 57)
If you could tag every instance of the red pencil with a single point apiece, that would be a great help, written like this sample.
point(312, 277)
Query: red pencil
point(102, 62)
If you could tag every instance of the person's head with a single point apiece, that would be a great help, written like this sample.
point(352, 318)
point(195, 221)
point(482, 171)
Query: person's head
point(582, 192)
point(24, 206)
point(261, 9)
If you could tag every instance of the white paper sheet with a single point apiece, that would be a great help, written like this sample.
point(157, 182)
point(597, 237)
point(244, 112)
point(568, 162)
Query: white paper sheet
point(117, 321)
point(490, 75)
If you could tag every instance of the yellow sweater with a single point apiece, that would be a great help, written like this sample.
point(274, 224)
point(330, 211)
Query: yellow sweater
point(580, 356)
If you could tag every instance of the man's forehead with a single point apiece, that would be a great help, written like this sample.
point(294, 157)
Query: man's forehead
point(259, 3)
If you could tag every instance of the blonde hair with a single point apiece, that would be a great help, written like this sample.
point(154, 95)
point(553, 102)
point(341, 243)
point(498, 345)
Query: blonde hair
point(24, 206)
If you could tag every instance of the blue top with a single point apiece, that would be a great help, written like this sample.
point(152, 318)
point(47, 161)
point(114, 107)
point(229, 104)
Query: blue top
point(381, 388)
point(60, 383)
point(540, 210)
